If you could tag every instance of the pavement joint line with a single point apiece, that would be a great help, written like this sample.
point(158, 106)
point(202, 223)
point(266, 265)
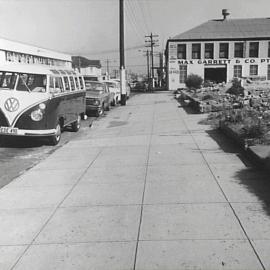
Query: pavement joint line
point(56, 208)
point(144, 188)
point(229, 203)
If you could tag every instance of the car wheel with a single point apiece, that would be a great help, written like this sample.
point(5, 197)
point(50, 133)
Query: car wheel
point(55, 139)
point(75, 126)
point(108, 107)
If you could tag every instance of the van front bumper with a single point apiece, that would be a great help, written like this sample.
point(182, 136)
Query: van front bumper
point(9, 131)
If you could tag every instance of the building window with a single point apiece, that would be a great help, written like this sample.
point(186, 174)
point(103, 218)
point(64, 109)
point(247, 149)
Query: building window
point(209, 51)
point(196, 51)
point(253, 49)
point(239, 49)
point(224, 50)
point(181, 51)
point(237, 71)
point(268, 72)
point(183, 73)
point(253, 70)
point(268, 49)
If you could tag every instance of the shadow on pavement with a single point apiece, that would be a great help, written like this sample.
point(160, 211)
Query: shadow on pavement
point(254, 179)
point(21, 142)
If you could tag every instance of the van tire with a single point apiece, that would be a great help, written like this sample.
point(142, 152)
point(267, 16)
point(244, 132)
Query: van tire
point(55, 139)
point(75, 126)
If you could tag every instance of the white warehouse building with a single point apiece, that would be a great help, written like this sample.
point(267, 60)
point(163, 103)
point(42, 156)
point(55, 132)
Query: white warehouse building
point(220, 50)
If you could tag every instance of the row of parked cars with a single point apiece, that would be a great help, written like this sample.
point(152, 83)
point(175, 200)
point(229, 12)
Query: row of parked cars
point(100, 96)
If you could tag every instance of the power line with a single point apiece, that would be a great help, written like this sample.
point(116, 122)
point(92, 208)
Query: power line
point(132, 18)
point(139, 4)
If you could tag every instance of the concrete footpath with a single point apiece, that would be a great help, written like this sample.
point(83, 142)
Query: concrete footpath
point(148, 188)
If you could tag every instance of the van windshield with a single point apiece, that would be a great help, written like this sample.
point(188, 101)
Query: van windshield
point(26, 82)
point(7, 80)
point(32, 83)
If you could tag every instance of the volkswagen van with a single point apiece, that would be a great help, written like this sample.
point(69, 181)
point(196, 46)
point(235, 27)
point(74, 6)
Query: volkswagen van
point(37, 101)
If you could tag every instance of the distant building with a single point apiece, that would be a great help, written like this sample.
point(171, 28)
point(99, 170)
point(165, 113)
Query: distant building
point(88, 68)
point(220, 50)
point(12, 52)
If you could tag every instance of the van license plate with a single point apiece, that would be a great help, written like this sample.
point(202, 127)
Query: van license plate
point(8, 130)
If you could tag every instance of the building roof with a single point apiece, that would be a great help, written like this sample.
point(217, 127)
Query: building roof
point(82, 62)
point(13, 46)
point(228, 29)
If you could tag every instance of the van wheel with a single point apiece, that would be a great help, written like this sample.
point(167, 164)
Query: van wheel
point(55, 139)
point(75, 126)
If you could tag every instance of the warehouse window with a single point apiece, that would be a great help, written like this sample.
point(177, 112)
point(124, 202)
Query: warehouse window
point(183, 73)
point(237, 71)
point(268, 72)
point(181, 51)
point(196, 51)
point(224, 50)
point(209, 51)
point(239, 49)
point(253, 49)
point(253, 70)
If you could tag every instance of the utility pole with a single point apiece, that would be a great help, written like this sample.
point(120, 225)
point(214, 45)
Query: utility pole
point(108, 70)
point(148, 67)
point(152, 45)
point(122, 54)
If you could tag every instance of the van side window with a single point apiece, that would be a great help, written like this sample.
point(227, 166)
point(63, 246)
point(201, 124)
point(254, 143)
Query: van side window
point(77, 83)
point(51, 85)
point(66, 82)
point(59, 87)
point(72, 83)
point(81, 82)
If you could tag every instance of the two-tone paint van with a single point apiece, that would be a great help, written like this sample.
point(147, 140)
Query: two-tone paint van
point(37, 101)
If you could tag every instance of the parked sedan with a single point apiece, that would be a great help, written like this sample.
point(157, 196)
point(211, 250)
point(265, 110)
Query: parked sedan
point(114, 88)
point(98, 97)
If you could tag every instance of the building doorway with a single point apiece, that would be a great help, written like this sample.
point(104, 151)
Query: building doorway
point(215, 74)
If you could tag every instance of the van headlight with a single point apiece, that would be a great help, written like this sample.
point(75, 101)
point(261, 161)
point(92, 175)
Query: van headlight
point(36, 115)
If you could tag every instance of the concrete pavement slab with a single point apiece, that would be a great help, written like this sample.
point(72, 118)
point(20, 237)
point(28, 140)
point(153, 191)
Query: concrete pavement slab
point(70, 164)
point(159, 192)
point(254, 218)
point(227, 171)
point(97, 223)
point(82, 256)
point(245, 190)
point(32, 197)
point(177, 155)
point(190, 221)
point(87, 194)
point(9, 255)
point(117, 174)
point(222, 158)
point(262, 247)
point(61, 177)
point(170, 139)
point(196, 254)
point(174, 172)
point(20, 226)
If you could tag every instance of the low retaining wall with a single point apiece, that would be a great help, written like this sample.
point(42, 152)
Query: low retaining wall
point(258, 154)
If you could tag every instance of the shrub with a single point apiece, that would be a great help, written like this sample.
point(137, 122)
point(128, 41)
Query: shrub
point(236, 88)
point(194, 81)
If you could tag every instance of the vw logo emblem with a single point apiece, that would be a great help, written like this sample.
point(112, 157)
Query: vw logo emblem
point(12, 104)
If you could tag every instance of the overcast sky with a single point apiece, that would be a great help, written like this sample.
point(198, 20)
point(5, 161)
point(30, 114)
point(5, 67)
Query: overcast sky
point(90, 27)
